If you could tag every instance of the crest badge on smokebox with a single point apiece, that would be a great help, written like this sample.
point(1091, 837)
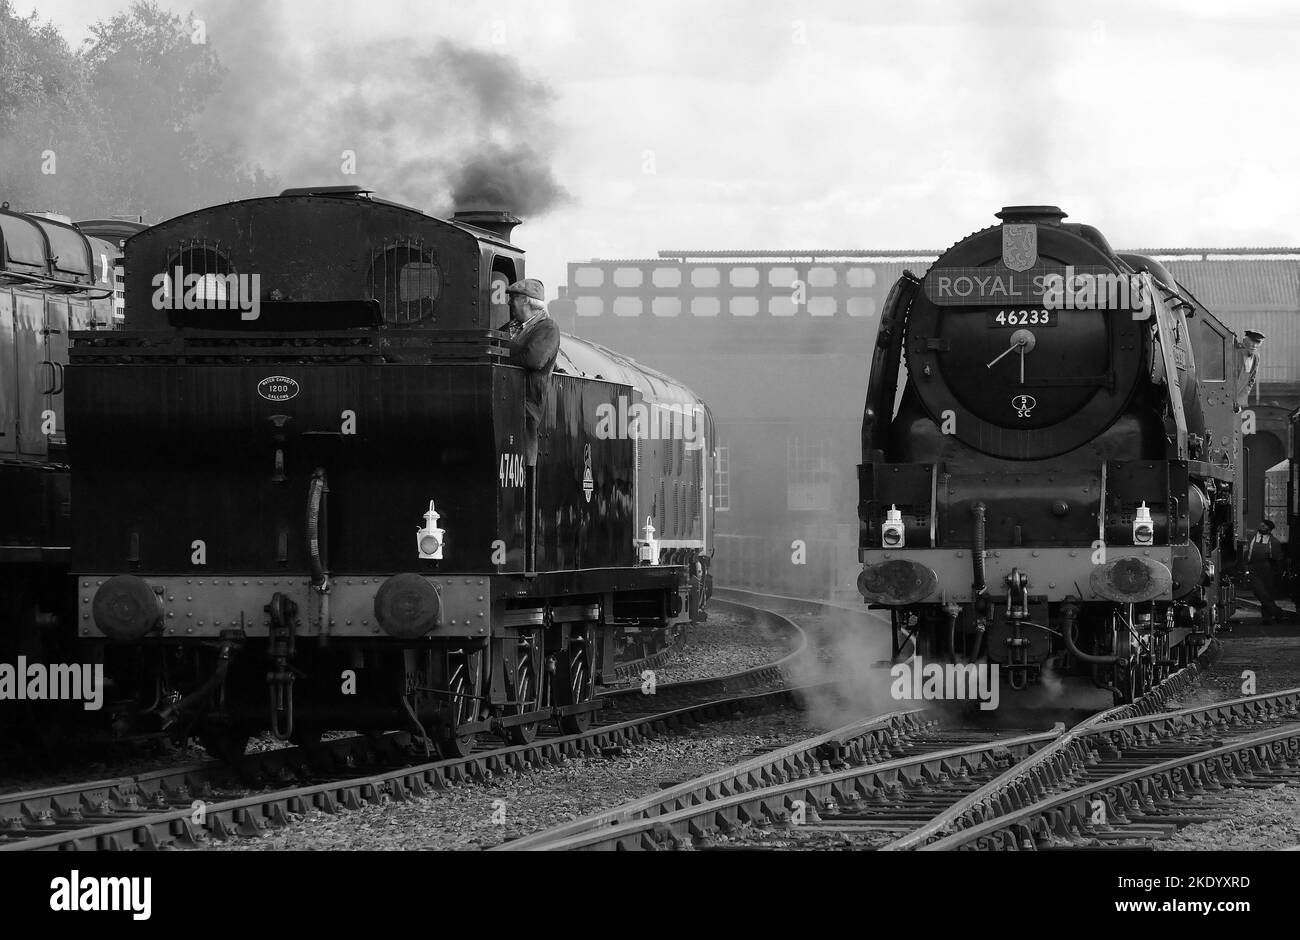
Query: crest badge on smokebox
point(1019, 246)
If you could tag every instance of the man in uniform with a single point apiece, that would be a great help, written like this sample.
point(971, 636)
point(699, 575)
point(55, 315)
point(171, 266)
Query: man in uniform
point(534, 345)
point(1263, 555)
point(1249, 366)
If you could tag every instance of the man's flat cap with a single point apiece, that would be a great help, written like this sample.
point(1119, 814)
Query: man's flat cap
point(1255, 335)
point(529, 287)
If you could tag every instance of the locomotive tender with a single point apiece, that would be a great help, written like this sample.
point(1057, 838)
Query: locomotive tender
point(304, 383)
point(1049, 460)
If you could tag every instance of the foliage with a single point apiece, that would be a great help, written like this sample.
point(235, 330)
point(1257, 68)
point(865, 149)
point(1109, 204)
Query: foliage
point(111, 129)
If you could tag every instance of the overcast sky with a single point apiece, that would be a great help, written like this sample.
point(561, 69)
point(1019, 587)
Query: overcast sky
point(841, 125)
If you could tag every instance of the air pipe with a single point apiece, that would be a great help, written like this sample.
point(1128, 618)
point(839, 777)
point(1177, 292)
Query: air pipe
point(1070, 621)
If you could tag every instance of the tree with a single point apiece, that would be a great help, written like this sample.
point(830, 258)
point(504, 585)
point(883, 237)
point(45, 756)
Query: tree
point(118, 118)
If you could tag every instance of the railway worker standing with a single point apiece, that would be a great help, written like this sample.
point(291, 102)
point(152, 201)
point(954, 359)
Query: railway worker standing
point(534, 344)
point(1249, 366)
point(1262, 556)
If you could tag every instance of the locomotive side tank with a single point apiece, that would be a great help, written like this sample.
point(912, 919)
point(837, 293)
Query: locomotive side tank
point(310, 486)
point(1049, 460)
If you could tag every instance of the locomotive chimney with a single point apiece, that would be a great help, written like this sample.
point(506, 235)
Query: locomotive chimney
point(497, 221)
point(1049, 215)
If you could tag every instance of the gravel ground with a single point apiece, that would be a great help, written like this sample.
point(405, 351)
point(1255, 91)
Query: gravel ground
point(1259, 820)
point(729, 642)
point(462, 817)
point(94, 759)
point(1274, 661)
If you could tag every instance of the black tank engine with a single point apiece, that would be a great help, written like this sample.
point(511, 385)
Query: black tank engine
point(309, 497)
point(1049, 460)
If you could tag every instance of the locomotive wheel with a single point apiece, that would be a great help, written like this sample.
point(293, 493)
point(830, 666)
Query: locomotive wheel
point(1127, 676)
point(526, 692)
point(461, 685)
point(1163, 668)
point(577, 682)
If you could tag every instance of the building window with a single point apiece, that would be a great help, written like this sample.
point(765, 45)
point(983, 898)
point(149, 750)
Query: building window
point(743, 306)
point(722, 478)
point(808, 474)
point(588, 277)
point(705, 277)
point(627, 306)
point(705, 306)
point(628, 277)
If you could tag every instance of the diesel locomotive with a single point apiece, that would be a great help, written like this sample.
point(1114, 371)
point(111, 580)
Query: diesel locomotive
point(55, 276)
point(309, 506)
point(1050, 454)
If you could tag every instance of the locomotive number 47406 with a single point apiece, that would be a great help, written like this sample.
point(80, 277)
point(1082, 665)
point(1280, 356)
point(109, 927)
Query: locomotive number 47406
point(1022, 318)
point(511, 472)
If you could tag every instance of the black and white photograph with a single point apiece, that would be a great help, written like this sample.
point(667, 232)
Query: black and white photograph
point(763, 428)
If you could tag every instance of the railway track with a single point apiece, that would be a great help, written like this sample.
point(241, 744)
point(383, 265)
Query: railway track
point(1124, 782)
point(180, 806)
point(837, 790)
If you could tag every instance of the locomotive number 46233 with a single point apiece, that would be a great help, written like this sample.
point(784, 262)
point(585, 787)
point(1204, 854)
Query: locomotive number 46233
point(1022, 318)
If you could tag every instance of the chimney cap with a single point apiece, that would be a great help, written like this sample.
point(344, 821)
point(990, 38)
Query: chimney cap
point(1052, 215)
point(498, 222)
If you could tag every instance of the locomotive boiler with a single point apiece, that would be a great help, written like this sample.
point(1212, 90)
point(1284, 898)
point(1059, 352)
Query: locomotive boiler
point(1050, 456)
point(311, 509)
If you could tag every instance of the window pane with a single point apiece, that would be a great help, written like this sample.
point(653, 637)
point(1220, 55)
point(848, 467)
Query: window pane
point(722, 478)
point(588, 277)
point(744, 306)
point(808, 474)
point(667, 277)
point(705, 277)
point(627, 306)
point(627, 277)
point(705, 306)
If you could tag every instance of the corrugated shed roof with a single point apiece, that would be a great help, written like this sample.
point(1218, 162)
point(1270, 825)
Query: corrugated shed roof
point(1225, 286)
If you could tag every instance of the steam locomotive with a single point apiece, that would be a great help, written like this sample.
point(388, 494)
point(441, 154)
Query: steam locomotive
point(54, 277)
point(304, 383)
point(1050, 456)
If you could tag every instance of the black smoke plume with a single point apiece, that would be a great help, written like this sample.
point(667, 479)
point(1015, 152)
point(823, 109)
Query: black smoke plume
point(436, 125)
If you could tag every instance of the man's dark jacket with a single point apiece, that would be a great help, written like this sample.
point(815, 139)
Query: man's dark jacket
point(535, 348)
